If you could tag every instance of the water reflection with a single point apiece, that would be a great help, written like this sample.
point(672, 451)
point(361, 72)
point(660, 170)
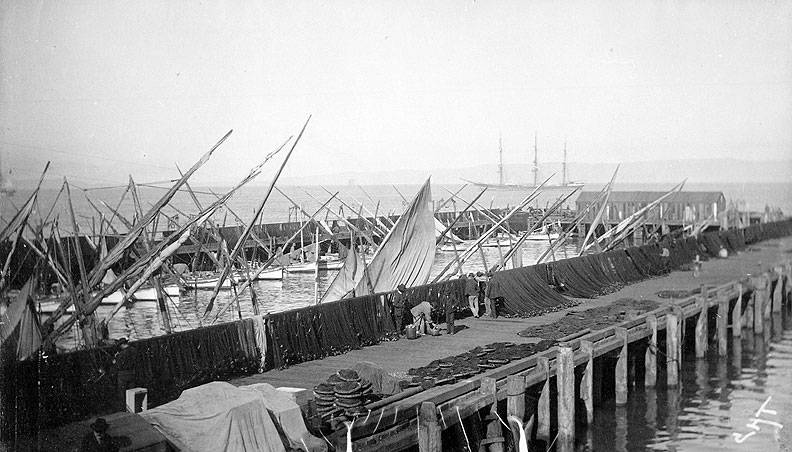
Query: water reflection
point(717, 401)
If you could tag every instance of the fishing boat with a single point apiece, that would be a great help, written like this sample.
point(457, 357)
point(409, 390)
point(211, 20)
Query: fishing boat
point(144, 294)
point(500, 241)
point(270, 274)
point(204, 281)
point(459, 246)
point(325, 263)
point(543, 234)
point(147, 294)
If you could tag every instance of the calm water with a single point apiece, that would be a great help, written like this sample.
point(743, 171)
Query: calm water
point(711, 410)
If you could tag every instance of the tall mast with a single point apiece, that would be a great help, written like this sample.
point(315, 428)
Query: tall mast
point(500, 164)
point(564, 167)
point(535, 168)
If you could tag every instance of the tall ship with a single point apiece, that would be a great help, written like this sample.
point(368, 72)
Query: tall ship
point(501, 185)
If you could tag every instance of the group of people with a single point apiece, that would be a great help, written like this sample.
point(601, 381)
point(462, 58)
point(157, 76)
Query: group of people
point(479, 288)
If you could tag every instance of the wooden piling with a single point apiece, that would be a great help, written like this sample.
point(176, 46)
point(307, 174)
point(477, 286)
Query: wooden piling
point(768, 301)
point(672, 349)
point(429, 431)
point(748, 315)
point(758, 311)
point(650, 358)
point(587, 384)
point(736, 317)
point(621, 367)
point(565, 379)
point(515, 402)
point(543, 409)
point(722, 321)
point(702, 332)
point(494, 428)
point(777, 295)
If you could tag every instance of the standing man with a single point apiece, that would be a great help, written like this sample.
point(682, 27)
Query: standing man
point(472, 293)
point(400, 305)
point(491, 294)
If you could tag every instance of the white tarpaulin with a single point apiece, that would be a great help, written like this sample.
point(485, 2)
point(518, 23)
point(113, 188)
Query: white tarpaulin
point(217, 417)
point(405, 256)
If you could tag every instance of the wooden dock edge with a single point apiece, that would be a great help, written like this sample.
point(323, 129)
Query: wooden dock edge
point(398, 425)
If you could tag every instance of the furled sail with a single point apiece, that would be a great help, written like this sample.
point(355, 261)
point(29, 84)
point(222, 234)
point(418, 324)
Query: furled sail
point(405, 256)
point(19, 318)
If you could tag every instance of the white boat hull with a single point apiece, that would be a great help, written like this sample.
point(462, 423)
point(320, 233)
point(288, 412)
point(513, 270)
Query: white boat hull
point(310, 267)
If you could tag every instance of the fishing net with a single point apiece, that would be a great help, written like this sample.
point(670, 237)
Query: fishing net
point(526, 292)
point(593, 319)
point(55, 389)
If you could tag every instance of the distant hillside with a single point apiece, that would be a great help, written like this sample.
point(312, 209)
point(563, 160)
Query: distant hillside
point(660, 171)
point(652, 172)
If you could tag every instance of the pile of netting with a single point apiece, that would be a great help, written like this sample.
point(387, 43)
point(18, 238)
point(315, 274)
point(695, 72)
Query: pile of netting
point(53, 389)
point(464, 365)
point(593, 319)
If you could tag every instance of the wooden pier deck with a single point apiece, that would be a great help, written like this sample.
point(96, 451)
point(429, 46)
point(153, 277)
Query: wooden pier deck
point(398, 356)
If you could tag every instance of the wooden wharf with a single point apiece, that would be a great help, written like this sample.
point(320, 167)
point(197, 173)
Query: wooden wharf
point(735, 293)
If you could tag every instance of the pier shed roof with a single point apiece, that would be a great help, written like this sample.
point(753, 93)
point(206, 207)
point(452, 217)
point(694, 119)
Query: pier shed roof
point(692, 197)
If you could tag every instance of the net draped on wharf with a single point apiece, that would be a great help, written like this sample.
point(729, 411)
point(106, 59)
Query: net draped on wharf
point(48, 390)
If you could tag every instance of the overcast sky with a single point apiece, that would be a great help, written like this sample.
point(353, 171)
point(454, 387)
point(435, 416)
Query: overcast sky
point(104, 88)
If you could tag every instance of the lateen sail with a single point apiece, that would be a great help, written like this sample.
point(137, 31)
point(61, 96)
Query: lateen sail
point(405, 256)
point(20, 318)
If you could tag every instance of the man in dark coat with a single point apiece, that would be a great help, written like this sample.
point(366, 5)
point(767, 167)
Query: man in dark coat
point(98, 440)
point(472, 293)
point(492, 293)
point(400, 306)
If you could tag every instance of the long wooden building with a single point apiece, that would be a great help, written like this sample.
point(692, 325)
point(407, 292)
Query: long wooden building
point(681, 207)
